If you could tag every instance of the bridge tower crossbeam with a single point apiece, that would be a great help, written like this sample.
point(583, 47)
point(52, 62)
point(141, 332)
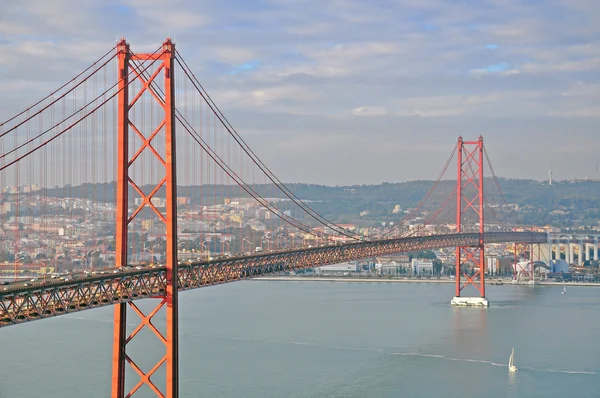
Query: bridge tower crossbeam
point(469, 199)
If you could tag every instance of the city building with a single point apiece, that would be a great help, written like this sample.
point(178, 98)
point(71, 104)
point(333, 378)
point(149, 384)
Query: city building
point(337, 269)
point(422, 266)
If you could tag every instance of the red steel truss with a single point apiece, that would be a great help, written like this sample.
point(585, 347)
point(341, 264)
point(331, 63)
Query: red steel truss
point(56, 297)
point(167, 293)
point(469, 198)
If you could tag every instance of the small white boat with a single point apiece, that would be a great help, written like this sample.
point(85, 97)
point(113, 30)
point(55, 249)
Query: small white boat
point(564, 290)
point(511, 362)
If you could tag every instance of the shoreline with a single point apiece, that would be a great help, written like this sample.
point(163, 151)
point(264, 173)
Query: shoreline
point(412, 280)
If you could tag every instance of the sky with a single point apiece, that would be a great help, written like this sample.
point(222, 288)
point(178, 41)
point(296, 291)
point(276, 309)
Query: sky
point(345, 92)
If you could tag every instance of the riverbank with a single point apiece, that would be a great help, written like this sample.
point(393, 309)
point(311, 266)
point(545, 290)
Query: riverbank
point(411, 280)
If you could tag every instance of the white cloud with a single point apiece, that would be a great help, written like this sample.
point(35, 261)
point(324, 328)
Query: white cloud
point(565, 67)
point(583, 89)
point(586, 112)
point(369, 111)
point(179, 20)
point(233, 55)
point(329, 70)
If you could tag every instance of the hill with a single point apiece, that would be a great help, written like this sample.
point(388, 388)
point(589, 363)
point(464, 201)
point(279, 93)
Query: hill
point(565, 203)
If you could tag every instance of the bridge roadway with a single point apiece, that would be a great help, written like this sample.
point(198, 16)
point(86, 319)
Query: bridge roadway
point(39, 300)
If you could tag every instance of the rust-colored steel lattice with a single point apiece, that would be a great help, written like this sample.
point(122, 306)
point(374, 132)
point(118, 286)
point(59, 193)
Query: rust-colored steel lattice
point(164, 98)
point(469, 200)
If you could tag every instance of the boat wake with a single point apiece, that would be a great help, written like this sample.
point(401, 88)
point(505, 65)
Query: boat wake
point(524, 368)
point(573, 372)
point(346, 348)
point(415, 354)
point(300, 343)
point(405, 354)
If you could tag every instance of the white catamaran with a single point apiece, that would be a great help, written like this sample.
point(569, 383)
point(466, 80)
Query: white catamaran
point(511, 362)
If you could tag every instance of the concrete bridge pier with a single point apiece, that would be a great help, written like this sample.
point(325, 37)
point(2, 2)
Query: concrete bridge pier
point(557, 251)
point(587, 247)
point(550, 245)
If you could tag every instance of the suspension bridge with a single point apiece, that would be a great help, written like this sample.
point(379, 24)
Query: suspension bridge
point(131, 157)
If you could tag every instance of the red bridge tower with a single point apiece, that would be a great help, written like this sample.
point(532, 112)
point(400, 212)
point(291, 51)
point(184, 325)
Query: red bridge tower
point(162, 90)
point(469, 200)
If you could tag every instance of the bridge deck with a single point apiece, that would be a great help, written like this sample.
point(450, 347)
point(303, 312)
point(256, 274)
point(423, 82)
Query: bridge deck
point(41, 300)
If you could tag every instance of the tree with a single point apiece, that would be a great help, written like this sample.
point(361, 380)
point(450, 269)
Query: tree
point(437, 266)
point(428, 254)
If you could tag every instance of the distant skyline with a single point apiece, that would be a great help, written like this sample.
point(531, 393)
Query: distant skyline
point(351, 92)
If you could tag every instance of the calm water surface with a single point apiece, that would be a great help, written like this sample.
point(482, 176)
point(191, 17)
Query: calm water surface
point(319, 339)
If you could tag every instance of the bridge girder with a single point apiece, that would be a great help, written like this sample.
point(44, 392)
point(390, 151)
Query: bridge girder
point(40, 301)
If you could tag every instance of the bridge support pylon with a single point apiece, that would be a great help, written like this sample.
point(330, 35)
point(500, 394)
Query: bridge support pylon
point(470, 260)
point(155, 73)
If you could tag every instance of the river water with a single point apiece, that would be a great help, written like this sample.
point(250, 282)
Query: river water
point(330, 339)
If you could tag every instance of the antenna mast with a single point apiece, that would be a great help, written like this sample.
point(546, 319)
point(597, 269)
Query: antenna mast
point(550, 173)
